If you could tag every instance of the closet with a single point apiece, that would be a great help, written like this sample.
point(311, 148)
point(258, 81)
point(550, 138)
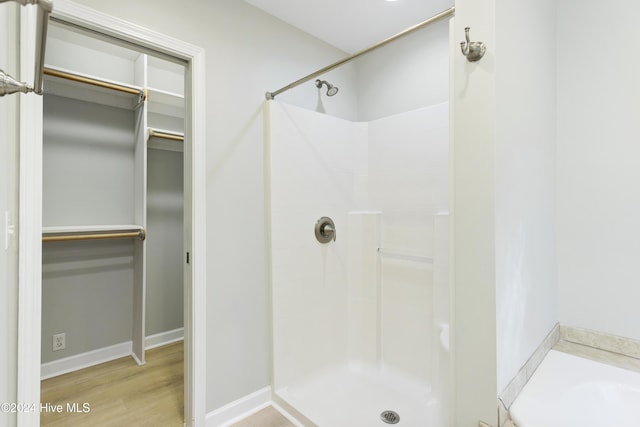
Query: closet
point(113, 129)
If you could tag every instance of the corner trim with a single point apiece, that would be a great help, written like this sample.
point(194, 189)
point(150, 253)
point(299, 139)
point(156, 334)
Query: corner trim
point(601, 340)
point(515, 386)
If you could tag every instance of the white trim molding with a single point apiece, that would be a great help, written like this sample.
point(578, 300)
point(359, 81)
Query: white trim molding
point(85, 360)
point(106, 354)
point(31, 207)
point(29, 230)
point(163, 338)
point(239, 409)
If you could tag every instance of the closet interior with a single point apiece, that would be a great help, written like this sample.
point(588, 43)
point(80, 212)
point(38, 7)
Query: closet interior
point(113, 132)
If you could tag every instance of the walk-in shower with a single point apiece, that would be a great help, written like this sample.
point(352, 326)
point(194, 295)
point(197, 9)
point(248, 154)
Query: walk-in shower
point(360, 321)
point(358, 234)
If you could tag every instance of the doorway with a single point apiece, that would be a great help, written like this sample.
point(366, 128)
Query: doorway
point(31, 193)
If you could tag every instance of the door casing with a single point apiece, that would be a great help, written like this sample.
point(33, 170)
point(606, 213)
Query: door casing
point(30, 199)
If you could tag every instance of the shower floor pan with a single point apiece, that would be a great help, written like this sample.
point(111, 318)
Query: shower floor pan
point(353, 397)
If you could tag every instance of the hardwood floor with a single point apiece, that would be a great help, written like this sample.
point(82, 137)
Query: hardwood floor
point(119, 393)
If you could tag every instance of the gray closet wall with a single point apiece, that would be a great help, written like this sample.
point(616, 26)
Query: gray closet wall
point(164, 241)
point(87, 286)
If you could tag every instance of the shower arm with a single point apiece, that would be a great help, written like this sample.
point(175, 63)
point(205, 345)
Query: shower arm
point(8, 84)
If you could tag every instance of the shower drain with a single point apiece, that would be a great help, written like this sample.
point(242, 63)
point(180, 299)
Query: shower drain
point(390, 417)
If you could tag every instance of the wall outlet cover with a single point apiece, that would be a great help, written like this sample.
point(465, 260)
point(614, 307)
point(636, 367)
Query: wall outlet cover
point(59, 342)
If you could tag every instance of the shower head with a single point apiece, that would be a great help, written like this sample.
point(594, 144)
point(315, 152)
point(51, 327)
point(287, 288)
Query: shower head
point(331, 89)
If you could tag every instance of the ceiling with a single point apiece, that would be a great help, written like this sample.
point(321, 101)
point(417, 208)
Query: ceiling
point(352, 25)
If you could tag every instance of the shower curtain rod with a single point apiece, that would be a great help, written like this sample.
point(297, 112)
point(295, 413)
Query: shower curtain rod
point(442, 15)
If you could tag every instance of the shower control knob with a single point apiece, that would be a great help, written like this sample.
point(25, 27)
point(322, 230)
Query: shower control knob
point(325, 230)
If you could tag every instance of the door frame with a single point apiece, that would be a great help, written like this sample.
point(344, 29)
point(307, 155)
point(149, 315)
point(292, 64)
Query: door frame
point(30, 223)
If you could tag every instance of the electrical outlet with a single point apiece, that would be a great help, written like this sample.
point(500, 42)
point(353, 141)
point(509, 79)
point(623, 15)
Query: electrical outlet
point(59, 341)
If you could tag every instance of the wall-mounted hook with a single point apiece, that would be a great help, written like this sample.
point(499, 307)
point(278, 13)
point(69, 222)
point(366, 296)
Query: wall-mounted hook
point(474, 51)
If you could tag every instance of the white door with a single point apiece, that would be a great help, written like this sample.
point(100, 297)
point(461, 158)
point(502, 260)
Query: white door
point(9, 110)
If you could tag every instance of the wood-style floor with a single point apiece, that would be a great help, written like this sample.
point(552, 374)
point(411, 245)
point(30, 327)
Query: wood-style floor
point(120, 393)
point(268, 417)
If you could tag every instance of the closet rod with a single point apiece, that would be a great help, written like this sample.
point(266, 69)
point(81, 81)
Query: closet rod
point(165, 135)
point(94, 82)
point(140, 234)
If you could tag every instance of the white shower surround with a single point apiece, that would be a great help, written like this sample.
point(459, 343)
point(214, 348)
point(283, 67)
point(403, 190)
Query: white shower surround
point(356, 332)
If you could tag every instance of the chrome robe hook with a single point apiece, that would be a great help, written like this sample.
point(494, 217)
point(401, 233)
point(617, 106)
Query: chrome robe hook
point(474, 51)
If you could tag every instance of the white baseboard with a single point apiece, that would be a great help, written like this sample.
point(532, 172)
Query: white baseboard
point(239, 409)
point(106, 354)
point(287, 415)
point(163, 338)
point(287, 410)
point(84, 360)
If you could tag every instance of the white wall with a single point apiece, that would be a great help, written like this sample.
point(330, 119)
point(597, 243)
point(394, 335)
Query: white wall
point(409, 73)
point(598, 167)
point(504, 169)
point(525, 123)
point(248, 53)
point(8, 203)
point(473, 214)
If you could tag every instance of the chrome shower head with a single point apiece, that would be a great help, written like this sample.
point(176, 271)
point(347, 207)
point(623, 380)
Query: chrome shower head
point(331, 89)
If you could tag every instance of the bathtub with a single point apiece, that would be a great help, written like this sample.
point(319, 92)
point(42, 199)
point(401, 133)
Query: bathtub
point(570, 391)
